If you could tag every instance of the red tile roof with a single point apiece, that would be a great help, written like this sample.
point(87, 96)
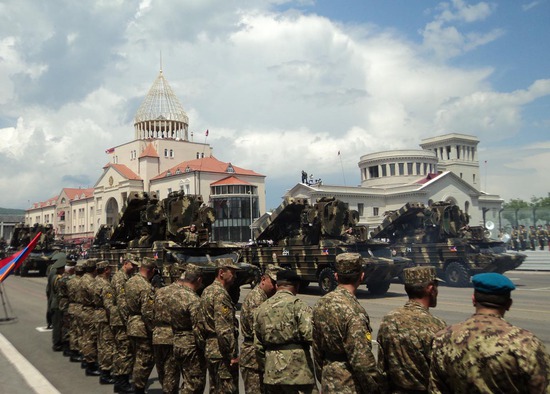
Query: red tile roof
point(124, 171)
point(73, 193)
point(428, 178)
point(207, 164)
point(230, 180)
point(149, 151)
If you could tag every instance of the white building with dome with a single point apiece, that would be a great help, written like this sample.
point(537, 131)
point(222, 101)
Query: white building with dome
point(445, 169)
point(161, 158)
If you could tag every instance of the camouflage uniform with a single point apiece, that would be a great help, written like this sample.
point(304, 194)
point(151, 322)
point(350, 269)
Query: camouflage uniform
point(221, 330)
point(163, 340)
point(342, 347)
point(405, 338)
point(53, 304)
point(89, 324)
point(184, 306)
point(283, 334)
point(75, 311)
point(485, 353)
point(251, 368)
point(105, 338)
point(541, 236)
point(139, 300)
point(118, 311)
point(463, 353)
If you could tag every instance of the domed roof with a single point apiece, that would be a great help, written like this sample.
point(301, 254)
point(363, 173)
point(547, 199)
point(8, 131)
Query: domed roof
point(161, 104)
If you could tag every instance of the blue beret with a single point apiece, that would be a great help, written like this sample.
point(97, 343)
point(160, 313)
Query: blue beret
point(492, 283)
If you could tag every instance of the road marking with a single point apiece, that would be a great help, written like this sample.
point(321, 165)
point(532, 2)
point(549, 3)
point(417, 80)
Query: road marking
point(32, 376)
point(539, 289)
point(43, 329)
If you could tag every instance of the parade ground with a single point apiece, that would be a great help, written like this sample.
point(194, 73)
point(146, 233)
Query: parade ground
point(29, 365)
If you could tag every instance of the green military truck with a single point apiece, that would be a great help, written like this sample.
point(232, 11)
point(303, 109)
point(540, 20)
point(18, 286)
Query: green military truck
point(173, 230)
point(440, 235)
point(38, 261)
point(307, 238)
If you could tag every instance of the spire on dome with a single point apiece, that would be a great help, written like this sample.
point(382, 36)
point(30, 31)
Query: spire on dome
point(161, 115)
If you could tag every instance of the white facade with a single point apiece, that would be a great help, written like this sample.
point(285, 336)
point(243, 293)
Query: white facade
point(160, 159)
point(447, 169)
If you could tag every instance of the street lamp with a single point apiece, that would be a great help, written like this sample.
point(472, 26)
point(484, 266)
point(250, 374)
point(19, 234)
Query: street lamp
point(251, 231)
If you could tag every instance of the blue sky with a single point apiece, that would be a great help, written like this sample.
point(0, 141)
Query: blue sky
point(282, 85)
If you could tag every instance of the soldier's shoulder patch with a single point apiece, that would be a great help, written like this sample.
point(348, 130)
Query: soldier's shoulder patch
point(122, 290)
point(108, 294)
point(368, 336)
point(225, 310)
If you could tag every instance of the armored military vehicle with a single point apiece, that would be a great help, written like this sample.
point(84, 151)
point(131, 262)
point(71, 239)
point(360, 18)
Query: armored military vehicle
point(173, 230)
point(39, 259)
point(440, 235)
point(307, 238)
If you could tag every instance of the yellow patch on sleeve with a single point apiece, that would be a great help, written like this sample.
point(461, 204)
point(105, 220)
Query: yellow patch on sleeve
point(368, 336)
point(225, 310)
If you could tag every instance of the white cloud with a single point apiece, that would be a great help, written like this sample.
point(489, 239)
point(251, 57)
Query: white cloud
point(279, 92)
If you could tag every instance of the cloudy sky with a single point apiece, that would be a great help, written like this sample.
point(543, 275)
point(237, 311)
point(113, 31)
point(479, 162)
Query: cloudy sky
point(282, 85)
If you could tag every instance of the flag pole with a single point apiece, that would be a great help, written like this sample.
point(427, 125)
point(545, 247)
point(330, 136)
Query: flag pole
point(342, 166)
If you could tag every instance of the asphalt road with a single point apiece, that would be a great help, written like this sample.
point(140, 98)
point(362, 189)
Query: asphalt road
point(25, 299)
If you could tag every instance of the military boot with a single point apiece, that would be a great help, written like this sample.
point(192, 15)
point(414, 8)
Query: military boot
point(122, 385)
point(105, 377)
point(83, 364)
point(92, 369)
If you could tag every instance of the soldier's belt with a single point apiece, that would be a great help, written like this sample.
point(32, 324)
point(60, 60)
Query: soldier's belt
point(286, 346)
point(183, 332)
point(335, 357)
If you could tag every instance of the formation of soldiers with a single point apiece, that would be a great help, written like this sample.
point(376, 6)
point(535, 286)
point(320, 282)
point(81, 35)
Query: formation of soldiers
point(522, 238)
point(119, 328)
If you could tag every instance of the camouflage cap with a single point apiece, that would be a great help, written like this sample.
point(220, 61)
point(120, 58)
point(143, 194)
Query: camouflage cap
point(191, 269)
point(226, 262)
point(348, 263)
point(148, 262)
point(79, 267)
point(271, 271)
point(286, 275)
point(102, 264)
point(91, 263)
point(492, 283)
point(419, 275)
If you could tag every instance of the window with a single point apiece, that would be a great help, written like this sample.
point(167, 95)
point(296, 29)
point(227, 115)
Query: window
point(474, 178)
point(458, 151)
point(401, 168)
point(448, 149)
point(373, 172)
point(392, 169)
point(172, 153)
point(374, 211)
point(418, 168)
point(165, 152)
point(409, 168)
point(384, 172)
point(361, 208)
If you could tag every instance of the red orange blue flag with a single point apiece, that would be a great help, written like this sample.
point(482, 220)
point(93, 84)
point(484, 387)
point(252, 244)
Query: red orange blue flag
point(14, 261)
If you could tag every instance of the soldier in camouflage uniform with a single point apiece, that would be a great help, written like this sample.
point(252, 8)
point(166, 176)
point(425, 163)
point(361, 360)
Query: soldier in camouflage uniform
point(105, 338)
point(522, 237)
point(250, 367)
point(283, 333)
point(221, 330)
point(342, 347)
point(515, 238)
point(485, 353)
point(56, 274)
point(75, 311)
point(123, 358)
point(89, 323)
point(62, 291)
point(189, 343)
point(405, 335)
point(541, 236)
point(139, 301)
point(532, 237)
point(163, 335)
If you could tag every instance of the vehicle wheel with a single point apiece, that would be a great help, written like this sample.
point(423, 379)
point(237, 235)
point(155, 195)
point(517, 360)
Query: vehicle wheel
point(379, 288)
point(456, 275)
point(327, 281)
point(304, 284)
